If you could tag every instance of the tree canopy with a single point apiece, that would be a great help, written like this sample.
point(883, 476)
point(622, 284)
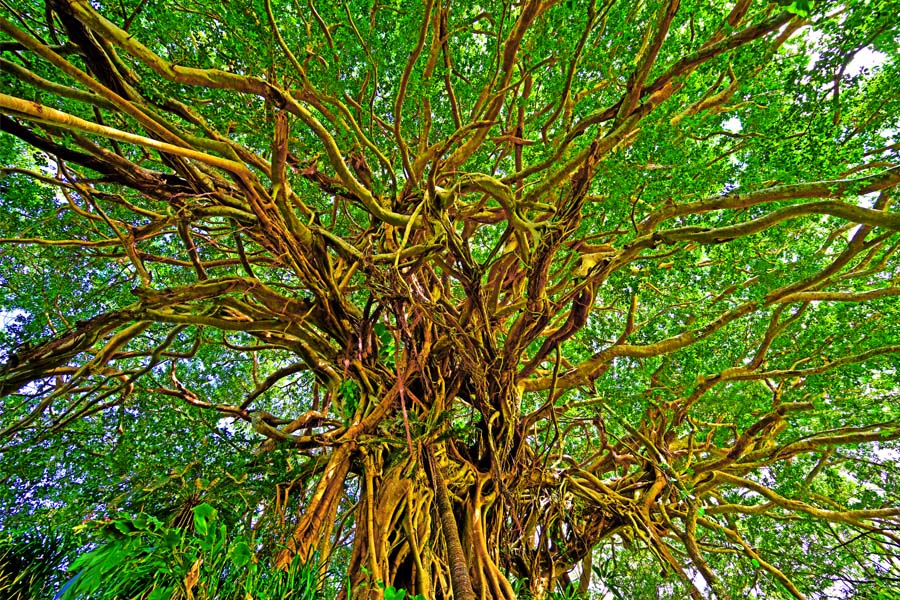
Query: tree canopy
point(464, 299)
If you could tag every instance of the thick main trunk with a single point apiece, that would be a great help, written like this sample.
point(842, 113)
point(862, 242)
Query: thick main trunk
point(391, 539)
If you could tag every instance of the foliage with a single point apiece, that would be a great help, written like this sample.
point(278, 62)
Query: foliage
point(31, 564)
point(391, 593)
point(139, 557)
point(374, 299)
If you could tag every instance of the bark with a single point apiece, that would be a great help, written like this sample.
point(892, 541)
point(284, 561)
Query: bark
point(459, 568)
point(315, 520)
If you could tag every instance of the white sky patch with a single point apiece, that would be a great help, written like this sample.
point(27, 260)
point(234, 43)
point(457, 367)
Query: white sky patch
point(868, 200)
point(865, 59)
point(8, 317)
point(890, 136)
point(733, 125)
point(864, 201)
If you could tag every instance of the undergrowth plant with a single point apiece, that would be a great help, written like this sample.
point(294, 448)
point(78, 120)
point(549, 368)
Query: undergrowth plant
point(140, 558)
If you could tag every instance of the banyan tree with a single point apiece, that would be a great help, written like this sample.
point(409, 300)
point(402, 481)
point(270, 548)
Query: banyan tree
point(483, 300)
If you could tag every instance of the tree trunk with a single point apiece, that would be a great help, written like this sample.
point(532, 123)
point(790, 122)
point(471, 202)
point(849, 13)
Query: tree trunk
point(459, 568)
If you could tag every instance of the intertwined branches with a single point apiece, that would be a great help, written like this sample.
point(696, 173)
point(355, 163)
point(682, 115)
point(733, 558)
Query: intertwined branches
point(538, 281)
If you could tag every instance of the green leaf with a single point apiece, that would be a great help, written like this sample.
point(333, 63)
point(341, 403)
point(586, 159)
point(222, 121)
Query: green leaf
point(123, 526)
point(172, 538)
point(204, 514)
point(241, 554)
point(139, 522)
point(391, 593)
point(161, 593)
point(800, 7)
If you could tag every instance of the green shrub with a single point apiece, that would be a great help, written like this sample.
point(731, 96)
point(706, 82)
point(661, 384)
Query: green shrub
point(142, 559)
